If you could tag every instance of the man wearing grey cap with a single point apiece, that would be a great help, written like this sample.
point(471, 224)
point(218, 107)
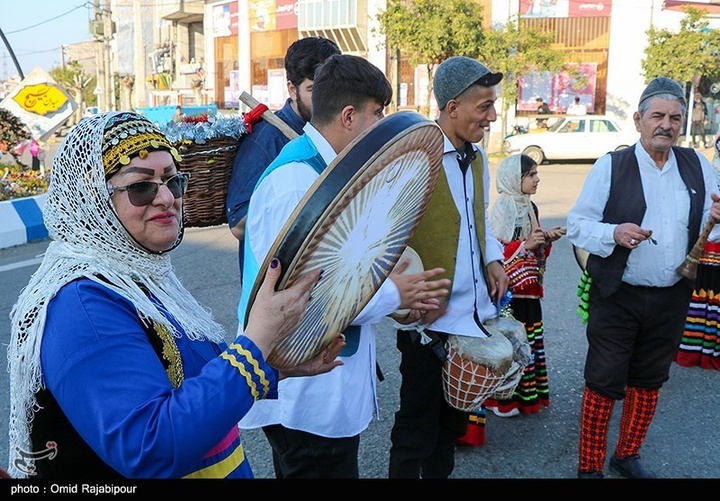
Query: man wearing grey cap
point(638, 215)
point(453, 234)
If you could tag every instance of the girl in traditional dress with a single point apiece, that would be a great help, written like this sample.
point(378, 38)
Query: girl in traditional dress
point(514, 221)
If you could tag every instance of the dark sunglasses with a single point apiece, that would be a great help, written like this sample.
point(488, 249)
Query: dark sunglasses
point(144, 192)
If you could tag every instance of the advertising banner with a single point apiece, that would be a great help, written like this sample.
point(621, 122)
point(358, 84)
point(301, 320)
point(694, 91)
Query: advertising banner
point(559, 90)
point(262, 15)
point(286, 14)
point(565, 8)
point(225, 20)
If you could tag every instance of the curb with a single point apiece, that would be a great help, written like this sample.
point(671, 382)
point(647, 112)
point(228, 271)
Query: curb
point(21, 221)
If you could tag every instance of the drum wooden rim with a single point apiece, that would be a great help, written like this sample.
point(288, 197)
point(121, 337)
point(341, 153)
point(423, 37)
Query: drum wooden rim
point(415, 266)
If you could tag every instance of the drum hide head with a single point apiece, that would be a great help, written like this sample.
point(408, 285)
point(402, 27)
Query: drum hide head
point(354, 224)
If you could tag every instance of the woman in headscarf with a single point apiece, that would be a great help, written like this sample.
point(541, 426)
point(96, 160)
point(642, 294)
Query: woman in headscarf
point(115, 369)
point(514, 219)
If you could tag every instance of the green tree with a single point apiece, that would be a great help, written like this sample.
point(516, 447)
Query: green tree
point(685, 55)
point(79, 85)
point(515, 51)
point(430, 31)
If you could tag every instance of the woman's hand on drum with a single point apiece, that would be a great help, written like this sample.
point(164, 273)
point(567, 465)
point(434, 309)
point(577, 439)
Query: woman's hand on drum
point(275, 315)
point(417, 288)
point(323, 362)
point(499, 280)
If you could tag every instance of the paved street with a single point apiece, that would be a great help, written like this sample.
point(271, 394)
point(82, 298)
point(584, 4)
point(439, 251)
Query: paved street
point(682, 443)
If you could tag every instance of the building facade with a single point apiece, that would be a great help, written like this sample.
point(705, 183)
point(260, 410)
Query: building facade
point(211, 51)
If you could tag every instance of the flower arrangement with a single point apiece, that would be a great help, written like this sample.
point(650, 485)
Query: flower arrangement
point(19, 182)
point(202, 128)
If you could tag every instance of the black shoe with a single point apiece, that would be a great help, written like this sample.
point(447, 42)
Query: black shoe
point(630, 467)
point(590, 474)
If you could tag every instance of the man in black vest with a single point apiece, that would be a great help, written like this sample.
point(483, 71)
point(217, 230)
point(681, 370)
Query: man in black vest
point(638, 215)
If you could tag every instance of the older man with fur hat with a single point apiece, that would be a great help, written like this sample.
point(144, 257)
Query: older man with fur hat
point(426, 427)
point(638, 215)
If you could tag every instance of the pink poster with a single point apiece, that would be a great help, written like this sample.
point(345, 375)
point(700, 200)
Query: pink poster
point(580, 82)
point(558, 90)
point(286, 14)
point(565, 8)
point(544, 8)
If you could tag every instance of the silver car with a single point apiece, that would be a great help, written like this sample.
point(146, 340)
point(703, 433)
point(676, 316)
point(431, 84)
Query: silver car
point(585, 137)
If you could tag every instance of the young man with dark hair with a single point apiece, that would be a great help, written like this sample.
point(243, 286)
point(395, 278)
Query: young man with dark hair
point(542, 109)
point(314, 426)
point(262, 145)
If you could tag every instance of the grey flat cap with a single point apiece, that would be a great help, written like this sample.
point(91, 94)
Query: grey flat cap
point(456, 74)
point(663, 85)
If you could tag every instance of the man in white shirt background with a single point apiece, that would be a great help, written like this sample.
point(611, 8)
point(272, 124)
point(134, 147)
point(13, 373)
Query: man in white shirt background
point(576, 108)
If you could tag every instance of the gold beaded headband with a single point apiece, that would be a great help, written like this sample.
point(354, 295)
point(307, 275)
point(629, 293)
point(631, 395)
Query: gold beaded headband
point(128, 135)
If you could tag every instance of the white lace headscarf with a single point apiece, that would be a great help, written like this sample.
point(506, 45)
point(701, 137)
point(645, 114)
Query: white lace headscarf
point(512, 207)
point(88, 241)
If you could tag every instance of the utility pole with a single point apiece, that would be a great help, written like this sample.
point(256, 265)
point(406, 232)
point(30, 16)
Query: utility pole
point(102, 30)
point(139, 55)
point(12, 55)
point(100, 72)
point(107, 35)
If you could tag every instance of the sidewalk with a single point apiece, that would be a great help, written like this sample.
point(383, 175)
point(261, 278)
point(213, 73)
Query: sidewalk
point(22, 221)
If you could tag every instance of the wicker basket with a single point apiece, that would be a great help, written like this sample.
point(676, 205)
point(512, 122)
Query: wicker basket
point(210, 167)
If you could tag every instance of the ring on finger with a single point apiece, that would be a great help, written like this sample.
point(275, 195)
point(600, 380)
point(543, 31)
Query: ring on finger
point(633, 241)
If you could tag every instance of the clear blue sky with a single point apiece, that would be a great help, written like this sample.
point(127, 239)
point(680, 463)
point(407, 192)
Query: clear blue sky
point(36, 29)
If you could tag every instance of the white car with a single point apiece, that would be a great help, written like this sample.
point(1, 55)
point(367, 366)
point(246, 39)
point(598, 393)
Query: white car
point(585, 137)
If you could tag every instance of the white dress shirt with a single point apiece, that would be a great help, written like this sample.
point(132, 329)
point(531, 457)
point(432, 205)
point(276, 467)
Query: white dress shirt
point(340, 403)
point(469, 289)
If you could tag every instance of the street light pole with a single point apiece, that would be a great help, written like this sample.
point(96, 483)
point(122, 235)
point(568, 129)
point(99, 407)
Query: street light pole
point(12, 55)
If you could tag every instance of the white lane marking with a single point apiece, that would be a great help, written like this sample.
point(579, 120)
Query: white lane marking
point(21, 264)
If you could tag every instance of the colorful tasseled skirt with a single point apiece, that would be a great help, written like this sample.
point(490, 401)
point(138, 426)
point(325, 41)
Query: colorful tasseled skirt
point(700, 344)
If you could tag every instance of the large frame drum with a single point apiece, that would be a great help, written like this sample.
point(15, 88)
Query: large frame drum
point(354, 223)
